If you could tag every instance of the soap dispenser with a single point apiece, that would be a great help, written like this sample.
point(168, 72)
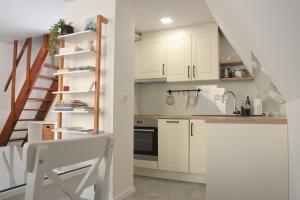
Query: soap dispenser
point(257, 106)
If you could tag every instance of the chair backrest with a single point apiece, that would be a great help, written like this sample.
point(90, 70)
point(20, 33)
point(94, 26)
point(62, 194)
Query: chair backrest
point(40, 158)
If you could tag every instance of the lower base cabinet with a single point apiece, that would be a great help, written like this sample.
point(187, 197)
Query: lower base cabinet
point(198, 153)
point(247, 161)
point(173, 145)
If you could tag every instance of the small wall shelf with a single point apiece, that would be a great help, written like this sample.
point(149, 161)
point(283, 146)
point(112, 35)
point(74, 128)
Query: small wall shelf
point(75, 53)
point(73, 92)
point(78, 36)
point(74, 111)
point(73, 132)
point(74, 73)
point(238, 79)
point(231, 63)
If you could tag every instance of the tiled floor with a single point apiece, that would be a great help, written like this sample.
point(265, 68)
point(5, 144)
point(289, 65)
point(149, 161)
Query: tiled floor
point(160, 189)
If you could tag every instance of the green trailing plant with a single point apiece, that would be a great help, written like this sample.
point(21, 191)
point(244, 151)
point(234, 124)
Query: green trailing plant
point(54, 33)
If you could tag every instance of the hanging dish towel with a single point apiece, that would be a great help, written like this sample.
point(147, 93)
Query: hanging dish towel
point(182, 101)
point(193, 99)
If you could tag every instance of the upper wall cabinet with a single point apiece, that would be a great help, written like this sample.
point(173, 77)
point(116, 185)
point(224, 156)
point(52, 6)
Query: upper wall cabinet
point(205, 53)
point(150, 59)
point(179, 58)
point(185, 54)
point(195, 56)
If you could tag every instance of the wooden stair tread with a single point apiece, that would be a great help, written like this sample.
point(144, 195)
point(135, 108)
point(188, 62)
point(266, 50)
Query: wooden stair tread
point(42, 88)
point(21, 129)
point(34, 109)
point(17, 139)
point(39, 99)
point(50, 78)
point(50, 66)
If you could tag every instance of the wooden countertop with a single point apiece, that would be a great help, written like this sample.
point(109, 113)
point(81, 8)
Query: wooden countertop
point(221, 119)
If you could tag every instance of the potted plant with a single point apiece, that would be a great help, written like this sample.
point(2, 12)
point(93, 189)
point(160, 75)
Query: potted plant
point(60, 27)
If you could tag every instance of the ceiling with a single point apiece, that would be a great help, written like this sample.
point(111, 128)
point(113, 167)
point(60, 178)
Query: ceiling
point(183, 12)
point(20, 19)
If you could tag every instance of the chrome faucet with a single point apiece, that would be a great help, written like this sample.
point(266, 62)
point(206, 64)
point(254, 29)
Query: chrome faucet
point(235, 111)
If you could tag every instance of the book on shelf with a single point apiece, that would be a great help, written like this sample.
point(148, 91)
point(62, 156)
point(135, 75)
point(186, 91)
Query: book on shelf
point(71, 105)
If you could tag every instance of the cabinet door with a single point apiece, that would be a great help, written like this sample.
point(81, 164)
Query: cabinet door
point(173, 145)
point(179, 59)
point(205, 53)
point(198, 147)
point(150, 59)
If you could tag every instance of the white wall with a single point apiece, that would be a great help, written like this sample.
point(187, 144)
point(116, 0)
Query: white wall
point(270, 29)
point(117, 82)
point(6, 58)
point(5, 63)
point(123, 99)
point(150, 98)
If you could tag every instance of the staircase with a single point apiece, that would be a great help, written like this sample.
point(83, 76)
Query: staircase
point(19, 106)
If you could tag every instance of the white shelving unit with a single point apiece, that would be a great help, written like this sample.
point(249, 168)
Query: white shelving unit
point(83, 55)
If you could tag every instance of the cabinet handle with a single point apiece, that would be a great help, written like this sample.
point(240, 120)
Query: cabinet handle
point(192, 124)
point(188, 71)
point(173, 122)
point(194, 71)
point(163, 69)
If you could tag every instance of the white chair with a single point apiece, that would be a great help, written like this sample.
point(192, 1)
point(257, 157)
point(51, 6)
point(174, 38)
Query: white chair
point(42, 157)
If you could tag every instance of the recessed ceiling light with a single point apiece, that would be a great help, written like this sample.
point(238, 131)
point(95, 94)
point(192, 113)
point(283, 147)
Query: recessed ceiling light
point(166, 20)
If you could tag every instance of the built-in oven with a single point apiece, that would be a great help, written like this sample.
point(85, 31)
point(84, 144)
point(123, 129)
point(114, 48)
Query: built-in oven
point(145, 139)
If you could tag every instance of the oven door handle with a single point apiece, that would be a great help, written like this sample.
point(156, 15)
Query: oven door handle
point(145, 130)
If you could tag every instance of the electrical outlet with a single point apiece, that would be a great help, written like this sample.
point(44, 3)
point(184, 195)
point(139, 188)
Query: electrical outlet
point(219, 97)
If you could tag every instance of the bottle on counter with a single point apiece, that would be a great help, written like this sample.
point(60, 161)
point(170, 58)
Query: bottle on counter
point(243, 109)
point(247, 107)
point(257, 106)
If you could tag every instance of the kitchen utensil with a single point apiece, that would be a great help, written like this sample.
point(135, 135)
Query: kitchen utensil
point(226, 72)
point(182, 100)
point(170, 100)
point(239, 74)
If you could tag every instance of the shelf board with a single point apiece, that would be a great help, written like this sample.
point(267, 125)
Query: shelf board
point(74, 111)
point(78, 36)
point(73, 92)
point(232, 63)
point(75, 53)
point(238, 79)
point(73, 132)
point(73, 73)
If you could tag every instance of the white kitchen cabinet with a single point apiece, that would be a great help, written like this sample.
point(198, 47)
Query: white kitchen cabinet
point(179, 58)
point(150, 59)
point(173, 145)
point(198, 153)
point(205, 53)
